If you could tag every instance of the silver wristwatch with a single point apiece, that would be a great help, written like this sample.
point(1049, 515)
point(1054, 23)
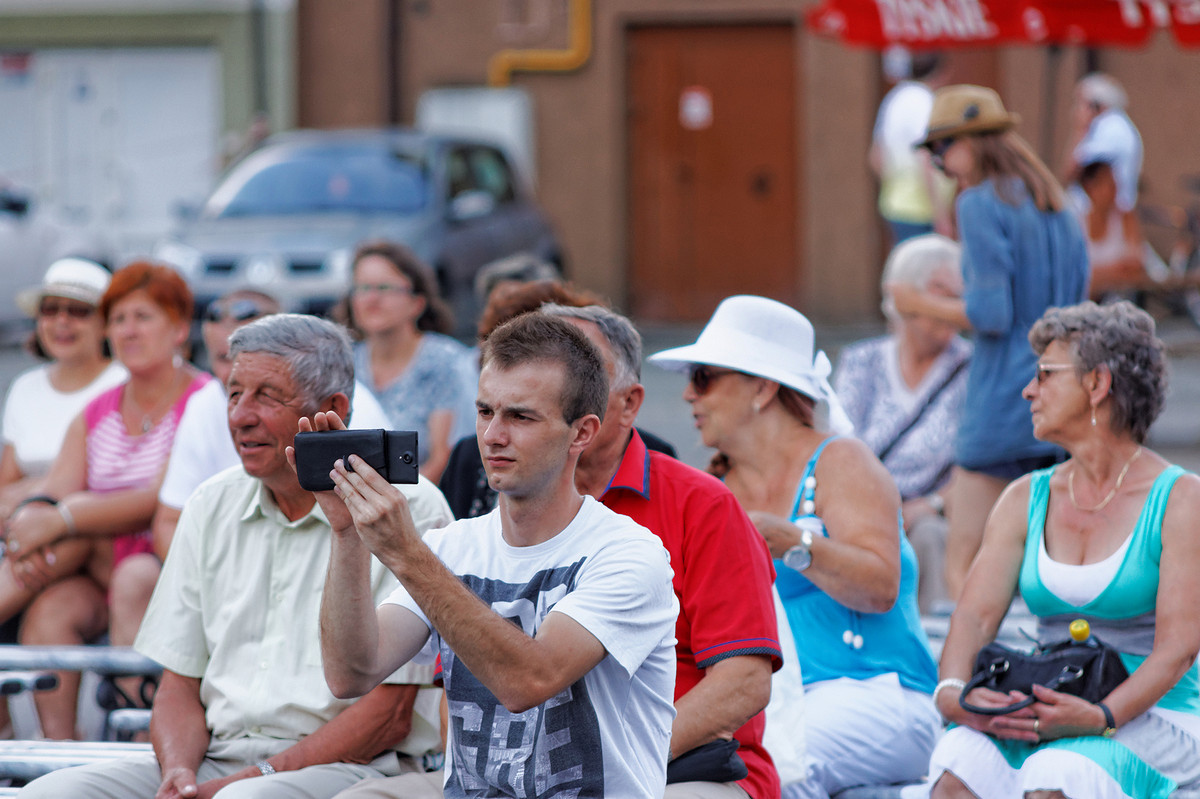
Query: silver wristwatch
point(799, 557)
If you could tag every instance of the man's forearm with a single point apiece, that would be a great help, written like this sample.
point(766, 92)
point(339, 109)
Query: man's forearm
point(519, 670)
point(349, 627)
point(360, 733)
point(178, 728)
point(377, 722)
point(732, 692)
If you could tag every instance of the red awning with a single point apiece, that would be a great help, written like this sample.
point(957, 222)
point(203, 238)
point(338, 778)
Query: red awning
point(934, 24)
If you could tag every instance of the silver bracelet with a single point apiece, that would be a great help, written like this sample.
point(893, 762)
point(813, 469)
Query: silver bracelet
point(949, 682)
point(265, 768)
point(65, 513)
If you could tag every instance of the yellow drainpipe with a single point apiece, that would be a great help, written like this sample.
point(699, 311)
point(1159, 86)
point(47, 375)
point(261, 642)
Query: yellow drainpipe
point(504, 63)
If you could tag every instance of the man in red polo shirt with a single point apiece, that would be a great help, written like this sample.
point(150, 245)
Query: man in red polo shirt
point(727, 645)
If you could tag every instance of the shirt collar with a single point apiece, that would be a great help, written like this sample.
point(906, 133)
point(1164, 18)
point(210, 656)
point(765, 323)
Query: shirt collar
point(634, 472)
point(262, 505)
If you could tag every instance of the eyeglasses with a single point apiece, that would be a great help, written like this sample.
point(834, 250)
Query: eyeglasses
point(76, 310)
point(236, 311)
point(1044, 370)
point(386, 289)
point(702, 376)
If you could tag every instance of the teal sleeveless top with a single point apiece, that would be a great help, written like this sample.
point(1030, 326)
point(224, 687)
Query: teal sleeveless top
point(834, 641)
point(1122, 615)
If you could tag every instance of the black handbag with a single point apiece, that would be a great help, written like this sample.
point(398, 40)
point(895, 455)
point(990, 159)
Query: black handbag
point(1089, 669)
point(715, 761)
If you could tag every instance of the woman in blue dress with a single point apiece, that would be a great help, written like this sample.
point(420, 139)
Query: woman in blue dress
point(1107, 536)
point(1023, 252)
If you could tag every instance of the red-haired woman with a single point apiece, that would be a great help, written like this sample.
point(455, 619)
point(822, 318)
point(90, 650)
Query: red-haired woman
point(87, 538)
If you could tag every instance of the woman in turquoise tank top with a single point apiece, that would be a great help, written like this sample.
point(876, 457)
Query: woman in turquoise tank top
point(830, 514)
point(1107, 536)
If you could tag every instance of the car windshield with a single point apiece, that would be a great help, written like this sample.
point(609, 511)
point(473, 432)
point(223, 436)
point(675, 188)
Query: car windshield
point(280, 181)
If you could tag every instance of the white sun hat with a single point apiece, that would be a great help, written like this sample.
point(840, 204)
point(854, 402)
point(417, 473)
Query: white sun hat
point(765, 338)
point(73, 278)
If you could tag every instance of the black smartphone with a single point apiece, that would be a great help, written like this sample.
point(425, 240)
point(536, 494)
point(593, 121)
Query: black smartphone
point(392, 453)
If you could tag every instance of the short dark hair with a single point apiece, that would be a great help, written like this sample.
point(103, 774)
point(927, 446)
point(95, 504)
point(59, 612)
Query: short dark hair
point(535, 336)
point(1121, 338)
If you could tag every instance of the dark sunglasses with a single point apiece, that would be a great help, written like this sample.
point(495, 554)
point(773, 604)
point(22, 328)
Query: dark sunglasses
point(938, 147)
point(702, 376)
point(76, 310)
point(236, 311)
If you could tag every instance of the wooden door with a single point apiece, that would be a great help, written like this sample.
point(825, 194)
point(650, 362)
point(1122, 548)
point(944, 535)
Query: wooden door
point(713, 180)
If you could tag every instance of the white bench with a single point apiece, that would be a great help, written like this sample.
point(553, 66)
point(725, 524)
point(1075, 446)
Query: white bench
point(28, 760)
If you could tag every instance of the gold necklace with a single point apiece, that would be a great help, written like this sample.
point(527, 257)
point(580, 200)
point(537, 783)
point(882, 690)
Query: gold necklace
point(160, 404)
point(1111, 494)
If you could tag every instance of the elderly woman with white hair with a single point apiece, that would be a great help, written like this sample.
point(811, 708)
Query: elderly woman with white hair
point(829, 512)
point(904, 392)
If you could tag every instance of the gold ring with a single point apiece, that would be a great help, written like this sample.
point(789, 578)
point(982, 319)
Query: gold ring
point(1036, 723)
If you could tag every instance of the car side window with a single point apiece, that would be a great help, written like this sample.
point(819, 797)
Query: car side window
point(458, 173)
point(491, 173)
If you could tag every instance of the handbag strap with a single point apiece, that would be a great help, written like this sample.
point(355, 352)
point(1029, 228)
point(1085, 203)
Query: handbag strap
point(920, 414)
point(976, 681)
point(983, 676)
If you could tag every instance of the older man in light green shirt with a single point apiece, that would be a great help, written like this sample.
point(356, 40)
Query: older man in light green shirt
point(243, 709)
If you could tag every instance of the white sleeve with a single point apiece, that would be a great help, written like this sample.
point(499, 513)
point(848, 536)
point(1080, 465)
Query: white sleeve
point(624, 597)
point(202, 447)
point(365, 411)
point(429, 652)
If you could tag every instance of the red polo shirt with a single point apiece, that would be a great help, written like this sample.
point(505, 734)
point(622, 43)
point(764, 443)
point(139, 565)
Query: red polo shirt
point(723, 578)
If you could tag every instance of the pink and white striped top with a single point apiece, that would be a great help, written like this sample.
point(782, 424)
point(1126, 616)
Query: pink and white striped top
point(118, 461)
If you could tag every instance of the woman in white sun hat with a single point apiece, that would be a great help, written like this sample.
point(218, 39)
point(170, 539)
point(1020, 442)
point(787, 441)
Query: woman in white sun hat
point(69, 337)
point(830, 514)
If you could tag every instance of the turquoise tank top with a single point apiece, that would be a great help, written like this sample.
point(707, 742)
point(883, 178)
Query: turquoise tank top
point(834, 641)
point(1122, 614)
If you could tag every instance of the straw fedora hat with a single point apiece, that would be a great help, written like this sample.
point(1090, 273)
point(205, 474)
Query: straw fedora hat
point(966, 109)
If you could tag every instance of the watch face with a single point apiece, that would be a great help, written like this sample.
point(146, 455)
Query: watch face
point(797, 558)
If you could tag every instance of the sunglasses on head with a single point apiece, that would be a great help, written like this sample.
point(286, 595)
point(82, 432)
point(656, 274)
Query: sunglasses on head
point(702, 376)
point(52, 306)
point(236, 311)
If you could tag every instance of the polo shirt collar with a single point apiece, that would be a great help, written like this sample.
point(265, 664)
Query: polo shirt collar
point(634, 472)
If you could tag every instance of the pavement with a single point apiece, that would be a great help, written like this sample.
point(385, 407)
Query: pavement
point(1176, 434)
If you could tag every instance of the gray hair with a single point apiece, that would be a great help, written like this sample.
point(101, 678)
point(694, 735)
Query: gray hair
point(1103, 90)
point(1119, 337)
point(319, 352)
point(915, 261)
point(622, 337)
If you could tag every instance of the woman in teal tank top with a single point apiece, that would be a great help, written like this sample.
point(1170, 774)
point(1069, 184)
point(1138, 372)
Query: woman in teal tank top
point(830, 513)
point(1108, 537)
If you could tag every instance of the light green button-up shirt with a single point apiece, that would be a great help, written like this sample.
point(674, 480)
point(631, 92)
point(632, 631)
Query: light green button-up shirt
point(237, 606)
